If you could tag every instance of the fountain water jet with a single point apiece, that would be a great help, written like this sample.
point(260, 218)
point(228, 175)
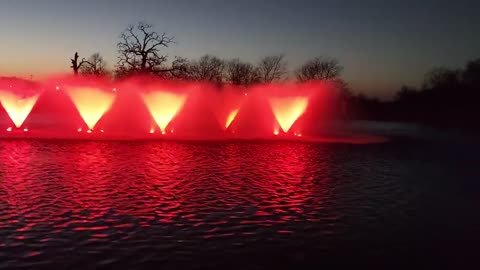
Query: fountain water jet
point(287, 110)
point(229, 103)
point(231, 116)
point(91, 103)
point(163, 106)
point(18, 108)
point(144, 107)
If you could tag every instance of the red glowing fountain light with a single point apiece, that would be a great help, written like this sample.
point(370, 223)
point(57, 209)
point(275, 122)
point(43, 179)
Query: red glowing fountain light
point(163, 106)
point(231, 116)
point(231, 102)
point(147, 107)
point(91, 103)
point(288, 109)
point(18, 108)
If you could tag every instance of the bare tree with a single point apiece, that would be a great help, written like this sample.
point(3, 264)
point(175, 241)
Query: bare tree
point(272, 68)
point(319, 68)
point(207, 68)
point(180, 68)
point(96, 66)
point(139, 50)
point(76, 66)
point(241, 73)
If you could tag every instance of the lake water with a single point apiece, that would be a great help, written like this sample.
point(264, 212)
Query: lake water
point(245, 205)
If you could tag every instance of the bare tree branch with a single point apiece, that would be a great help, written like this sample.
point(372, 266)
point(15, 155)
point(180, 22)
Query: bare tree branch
point(319, 68)
point(139, 50)
point(241, 73)
point(76, 66)
point(96, 66)
point(272, 68)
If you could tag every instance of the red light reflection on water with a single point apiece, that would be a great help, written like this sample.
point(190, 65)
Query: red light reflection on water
point(74, 186)
point(279, 188)
point(145, 106)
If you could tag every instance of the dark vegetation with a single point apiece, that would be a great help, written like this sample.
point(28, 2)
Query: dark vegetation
point(140, 52)
point(448, 98)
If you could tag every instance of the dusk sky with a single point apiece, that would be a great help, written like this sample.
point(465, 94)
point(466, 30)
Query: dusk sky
point(381, 44)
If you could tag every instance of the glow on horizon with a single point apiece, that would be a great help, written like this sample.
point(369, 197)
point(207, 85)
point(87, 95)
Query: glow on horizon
point(17, 108)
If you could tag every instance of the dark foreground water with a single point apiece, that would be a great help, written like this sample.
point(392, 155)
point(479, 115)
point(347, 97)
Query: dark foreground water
point(241, 205)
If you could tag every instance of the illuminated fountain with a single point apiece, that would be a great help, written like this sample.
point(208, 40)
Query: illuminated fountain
point(228, 114)
point(91, 103)
point(228, 106)
point(287, 110)
point(17, 107)
point(231, 116)
point(163, 106)
point(90, 108)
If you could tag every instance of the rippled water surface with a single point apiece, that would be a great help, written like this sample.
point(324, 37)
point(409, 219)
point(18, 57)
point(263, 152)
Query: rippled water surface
point(241, 205)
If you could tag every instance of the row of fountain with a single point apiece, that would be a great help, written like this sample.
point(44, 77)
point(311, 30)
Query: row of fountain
point(144, 107)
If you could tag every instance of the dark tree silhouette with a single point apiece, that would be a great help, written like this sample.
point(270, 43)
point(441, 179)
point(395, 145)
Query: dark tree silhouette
point(77, 65)
point(406, 94)
point(272, 68)
point(179, 68)
point(319, 68)
point(471, 75)
point(207, 68)
point(447, 99)
point(442, 78)
point(96, 66)
point(240, 73)
point(139, 50)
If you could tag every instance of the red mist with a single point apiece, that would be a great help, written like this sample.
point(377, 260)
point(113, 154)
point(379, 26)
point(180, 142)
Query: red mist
point(147, 108)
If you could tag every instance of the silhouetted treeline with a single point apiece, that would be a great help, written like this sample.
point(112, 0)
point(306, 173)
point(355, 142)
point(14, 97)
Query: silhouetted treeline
point(140, 51)
point(447, 98)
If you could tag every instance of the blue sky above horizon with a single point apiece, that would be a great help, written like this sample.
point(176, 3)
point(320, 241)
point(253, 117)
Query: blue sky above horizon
point(381, 44)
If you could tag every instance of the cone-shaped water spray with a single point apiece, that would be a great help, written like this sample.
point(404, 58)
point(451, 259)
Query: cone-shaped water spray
point(163, 106)
point(17, 107)
point(91, 103)
point(288, 109)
